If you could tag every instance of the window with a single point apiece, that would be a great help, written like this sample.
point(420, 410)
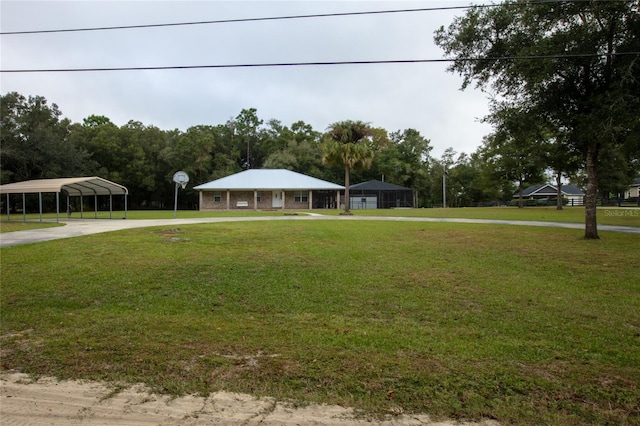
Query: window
point(301, 196)
point(258, 196)
point(217, 197)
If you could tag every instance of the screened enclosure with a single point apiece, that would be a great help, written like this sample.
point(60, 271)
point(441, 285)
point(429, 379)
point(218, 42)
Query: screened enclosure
point(376, 194)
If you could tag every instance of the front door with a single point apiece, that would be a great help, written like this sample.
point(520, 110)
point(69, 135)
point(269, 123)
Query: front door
point(277, 199)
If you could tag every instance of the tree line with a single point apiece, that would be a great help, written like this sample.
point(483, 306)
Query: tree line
point(37, 143)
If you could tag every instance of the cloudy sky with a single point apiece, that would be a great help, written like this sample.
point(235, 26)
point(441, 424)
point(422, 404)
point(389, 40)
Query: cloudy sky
point(423, 96)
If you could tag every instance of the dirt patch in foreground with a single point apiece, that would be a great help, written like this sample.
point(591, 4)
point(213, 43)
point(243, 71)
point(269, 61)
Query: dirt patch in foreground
point(24, 401)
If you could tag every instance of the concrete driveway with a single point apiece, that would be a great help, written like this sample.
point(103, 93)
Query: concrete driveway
point(79, 227)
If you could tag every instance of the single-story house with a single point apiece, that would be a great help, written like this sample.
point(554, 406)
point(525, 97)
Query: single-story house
point(571, 192)
point(634, 190)
point(265, 189)
point(375, 194)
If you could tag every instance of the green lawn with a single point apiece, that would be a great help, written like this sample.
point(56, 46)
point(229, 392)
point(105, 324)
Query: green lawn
point(523, 325)
point(23, 226)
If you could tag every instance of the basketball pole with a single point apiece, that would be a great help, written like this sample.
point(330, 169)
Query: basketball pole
point(175, 204)
point(180, 178)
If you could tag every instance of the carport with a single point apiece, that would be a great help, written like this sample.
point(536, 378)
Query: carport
point(71, 187)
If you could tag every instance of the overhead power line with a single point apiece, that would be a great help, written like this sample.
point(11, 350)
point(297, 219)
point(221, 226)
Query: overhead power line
point(279, 18)
point(230, 21)
point(328, 63)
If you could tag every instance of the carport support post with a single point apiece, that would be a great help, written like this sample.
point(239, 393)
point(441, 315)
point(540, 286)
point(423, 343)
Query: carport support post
point(81, 207)
point(39, 203)
point(24, 207)
point(8, 209)
point(95, 205)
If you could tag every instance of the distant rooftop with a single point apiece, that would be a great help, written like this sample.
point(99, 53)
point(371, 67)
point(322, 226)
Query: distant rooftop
point(551, 190)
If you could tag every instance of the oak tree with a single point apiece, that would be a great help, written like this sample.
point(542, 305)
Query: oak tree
point(575, 62)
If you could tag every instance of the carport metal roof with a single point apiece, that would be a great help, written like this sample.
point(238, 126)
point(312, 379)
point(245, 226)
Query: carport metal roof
point(72, 186)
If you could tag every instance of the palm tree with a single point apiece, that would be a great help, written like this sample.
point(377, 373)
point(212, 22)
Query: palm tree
point(348, 144)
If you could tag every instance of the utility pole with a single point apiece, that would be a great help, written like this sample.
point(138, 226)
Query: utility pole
point(444, 187)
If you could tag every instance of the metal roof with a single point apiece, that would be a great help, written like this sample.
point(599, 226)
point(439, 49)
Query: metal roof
point(376, 185)
point(268, 179)
point(73, 186)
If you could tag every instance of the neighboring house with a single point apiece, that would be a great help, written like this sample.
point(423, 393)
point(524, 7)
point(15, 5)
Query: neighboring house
point(375, 194)
point(267, 189)
point(634, 190)
point(571, 192)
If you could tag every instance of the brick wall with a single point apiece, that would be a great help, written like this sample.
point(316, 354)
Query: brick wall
point(207, 200)
point(290, 203)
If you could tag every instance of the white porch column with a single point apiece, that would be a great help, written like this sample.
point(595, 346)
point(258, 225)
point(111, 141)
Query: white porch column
point(255, 199)
point(310, 199)
point(284, 201)
point(228, 199)
point(338, 196)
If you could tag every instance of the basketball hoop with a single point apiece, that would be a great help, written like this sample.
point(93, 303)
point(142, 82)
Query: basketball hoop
point(180, 178)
